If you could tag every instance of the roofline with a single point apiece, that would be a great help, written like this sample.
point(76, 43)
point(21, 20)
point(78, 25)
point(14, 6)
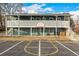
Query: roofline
point(24, 14)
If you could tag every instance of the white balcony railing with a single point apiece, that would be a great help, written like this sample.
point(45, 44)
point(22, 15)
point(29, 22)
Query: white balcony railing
point(30, 23)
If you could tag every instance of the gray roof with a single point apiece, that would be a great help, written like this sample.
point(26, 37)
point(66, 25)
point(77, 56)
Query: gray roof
point(24, 14)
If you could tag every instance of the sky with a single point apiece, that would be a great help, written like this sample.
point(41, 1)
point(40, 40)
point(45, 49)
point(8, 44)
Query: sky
point(52, 8)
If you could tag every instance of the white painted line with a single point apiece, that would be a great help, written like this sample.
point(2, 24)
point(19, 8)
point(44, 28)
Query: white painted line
point(39, 48)
point(67, 48)
point(10, 48)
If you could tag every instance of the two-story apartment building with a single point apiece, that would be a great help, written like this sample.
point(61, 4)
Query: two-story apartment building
point(37, 24)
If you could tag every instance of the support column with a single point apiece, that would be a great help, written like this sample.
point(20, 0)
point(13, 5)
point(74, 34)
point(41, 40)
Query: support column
point(56, 26)
point(43, 31)
point(31, 31)
point(31, 28)
point(6, 32)
point(6, 25)
point(69, 30)
point(18, 26)
point(11, 23)
point(18, 31)
point(12, 32)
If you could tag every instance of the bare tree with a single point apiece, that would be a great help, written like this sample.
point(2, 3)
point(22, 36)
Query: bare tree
point(72, 24)
point(76, 28)
point(0, 19)
point(8, 8)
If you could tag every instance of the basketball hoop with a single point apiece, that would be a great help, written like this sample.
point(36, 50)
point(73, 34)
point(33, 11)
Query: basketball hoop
point(40, 25)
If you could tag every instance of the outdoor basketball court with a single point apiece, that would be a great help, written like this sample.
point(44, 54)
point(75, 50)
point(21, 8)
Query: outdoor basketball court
point(39, 48)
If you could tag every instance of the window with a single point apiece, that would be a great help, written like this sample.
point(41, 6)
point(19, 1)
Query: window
point(50, 31)
point(66, 18)
point(60, 30)
point(15, 31)
point(24, 31)
point(36, 17)
point(43, 18)
point(52, 18)
point(60, 18)
point(25, 17)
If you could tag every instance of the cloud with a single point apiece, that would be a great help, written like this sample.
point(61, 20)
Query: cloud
point(37, 8)
point(32, 12)
point(48, 9)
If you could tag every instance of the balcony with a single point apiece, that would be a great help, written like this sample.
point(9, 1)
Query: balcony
point(33, 23)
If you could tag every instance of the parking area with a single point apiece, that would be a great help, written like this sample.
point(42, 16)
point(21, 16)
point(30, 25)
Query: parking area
point(39, 48)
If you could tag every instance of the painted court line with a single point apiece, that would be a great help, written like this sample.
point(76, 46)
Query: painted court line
point(11, 47)
point(67, 48)
point(39, 48)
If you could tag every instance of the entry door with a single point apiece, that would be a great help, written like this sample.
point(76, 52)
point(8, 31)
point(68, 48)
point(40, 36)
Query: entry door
point(40, 31)
point(37, 31)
